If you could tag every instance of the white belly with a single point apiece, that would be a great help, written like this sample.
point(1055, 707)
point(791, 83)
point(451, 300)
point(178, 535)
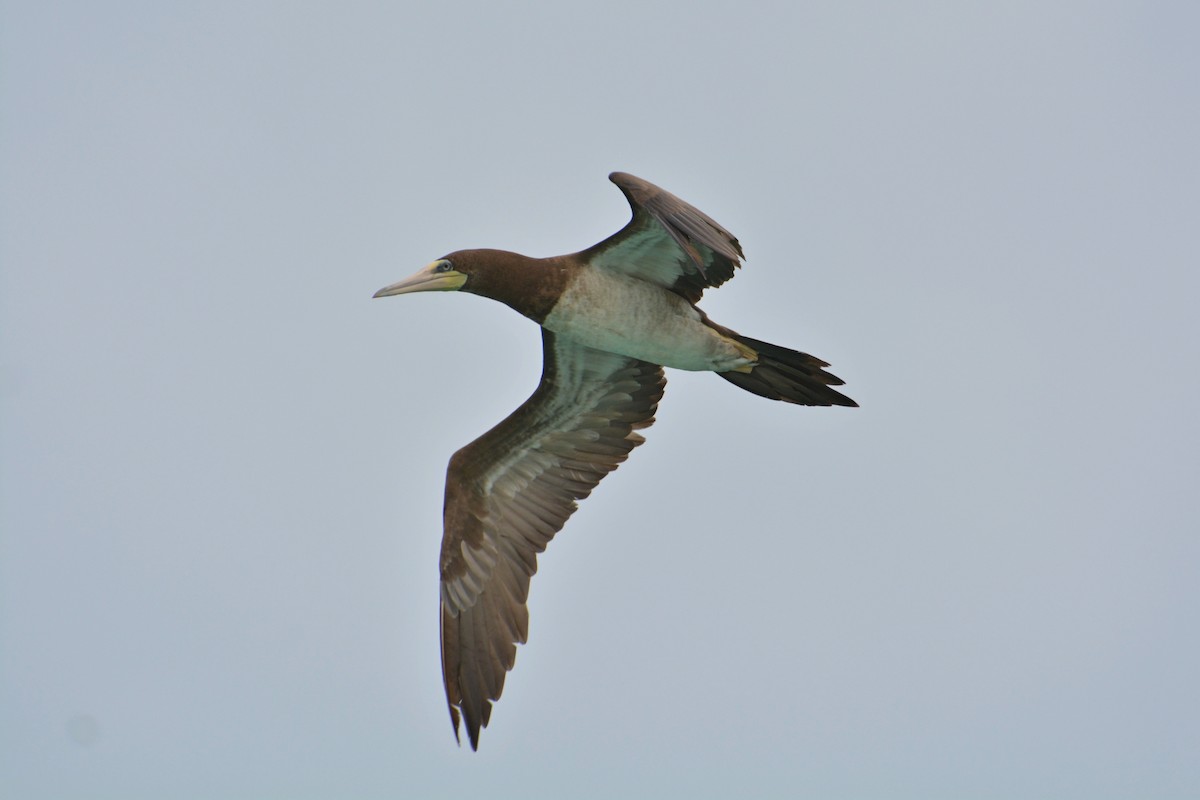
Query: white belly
point(623, 315)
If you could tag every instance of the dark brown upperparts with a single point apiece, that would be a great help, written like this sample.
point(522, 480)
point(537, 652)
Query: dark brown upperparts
point(668, 242)
point(530, 286)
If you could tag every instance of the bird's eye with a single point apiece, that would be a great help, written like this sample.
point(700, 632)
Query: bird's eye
point(443, 266)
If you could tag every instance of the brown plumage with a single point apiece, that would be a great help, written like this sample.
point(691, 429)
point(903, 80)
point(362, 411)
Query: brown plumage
point(612, 316)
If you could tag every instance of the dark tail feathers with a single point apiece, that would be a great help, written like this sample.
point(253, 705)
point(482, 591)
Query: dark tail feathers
point(783, 374)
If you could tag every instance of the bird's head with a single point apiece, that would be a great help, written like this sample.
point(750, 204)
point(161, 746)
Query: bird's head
point(531, 286)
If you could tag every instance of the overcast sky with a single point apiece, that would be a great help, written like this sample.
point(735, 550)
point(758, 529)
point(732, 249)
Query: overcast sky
point(222, 462)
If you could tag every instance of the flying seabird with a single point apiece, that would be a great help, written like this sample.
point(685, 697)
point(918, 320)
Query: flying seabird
point(612, 317)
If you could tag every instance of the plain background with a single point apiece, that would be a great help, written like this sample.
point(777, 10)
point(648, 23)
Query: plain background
point(221, 461)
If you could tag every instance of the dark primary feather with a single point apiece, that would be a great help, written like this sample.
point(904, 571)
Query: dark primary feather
point(668, 242)
point(511, 490)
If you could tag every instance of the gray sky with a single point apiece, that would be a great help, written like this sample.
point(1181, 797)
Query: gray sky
point(221, 462)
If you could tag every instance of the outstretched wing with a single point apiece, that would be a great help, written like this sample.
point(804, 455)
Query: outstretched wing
point(668, 242)
point(511, 490)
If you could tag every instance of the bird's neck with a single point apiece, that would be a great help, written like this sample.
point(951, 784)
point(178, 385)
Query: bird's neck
point(530, 286)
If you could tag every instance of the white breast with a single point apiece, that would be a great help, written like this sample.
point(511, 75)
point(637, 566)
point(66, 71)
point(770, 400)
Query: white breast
point(619, 314)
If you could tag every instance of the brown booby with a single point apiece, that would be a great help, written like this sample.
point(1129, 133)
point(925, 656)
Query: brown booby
point(612, 317)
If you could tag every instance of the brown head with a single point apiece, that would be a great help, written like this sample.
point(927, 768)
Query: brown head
point(531, 286)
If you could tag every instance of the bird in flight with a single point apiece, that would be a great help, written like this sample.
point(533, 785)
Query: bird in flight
point(612, 317)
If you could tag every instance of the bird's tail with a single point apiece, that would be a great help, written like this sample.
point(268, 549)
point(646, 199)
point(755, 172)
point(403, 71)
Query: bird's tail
point(788, 375)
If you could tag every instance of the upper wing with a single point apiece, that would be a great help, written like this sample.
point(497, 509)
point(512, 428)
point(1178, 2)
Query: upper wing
point(511, 490)
point(668, 242)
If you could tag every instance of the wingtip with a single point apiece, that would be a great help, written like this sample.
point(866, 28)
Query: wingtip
point(629, 183)
point(454, 720)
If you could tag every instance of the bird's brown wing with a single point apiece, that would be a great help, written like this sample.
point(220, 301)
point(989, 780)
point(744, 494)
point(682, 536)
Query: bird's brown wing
point(511, 490)
point(668, 242)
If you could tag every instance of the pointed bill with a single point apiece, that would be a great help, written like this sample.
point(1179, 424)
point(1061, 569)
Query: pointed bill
point(440, 276)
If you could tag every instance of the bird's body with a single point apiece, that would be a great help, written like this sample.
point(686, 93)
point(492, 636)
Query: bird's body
point(612, 316)
point(618, 314)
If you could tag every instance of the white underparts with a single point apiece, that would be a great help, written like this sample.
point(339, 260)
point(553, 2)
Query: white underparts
point(613, 312)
